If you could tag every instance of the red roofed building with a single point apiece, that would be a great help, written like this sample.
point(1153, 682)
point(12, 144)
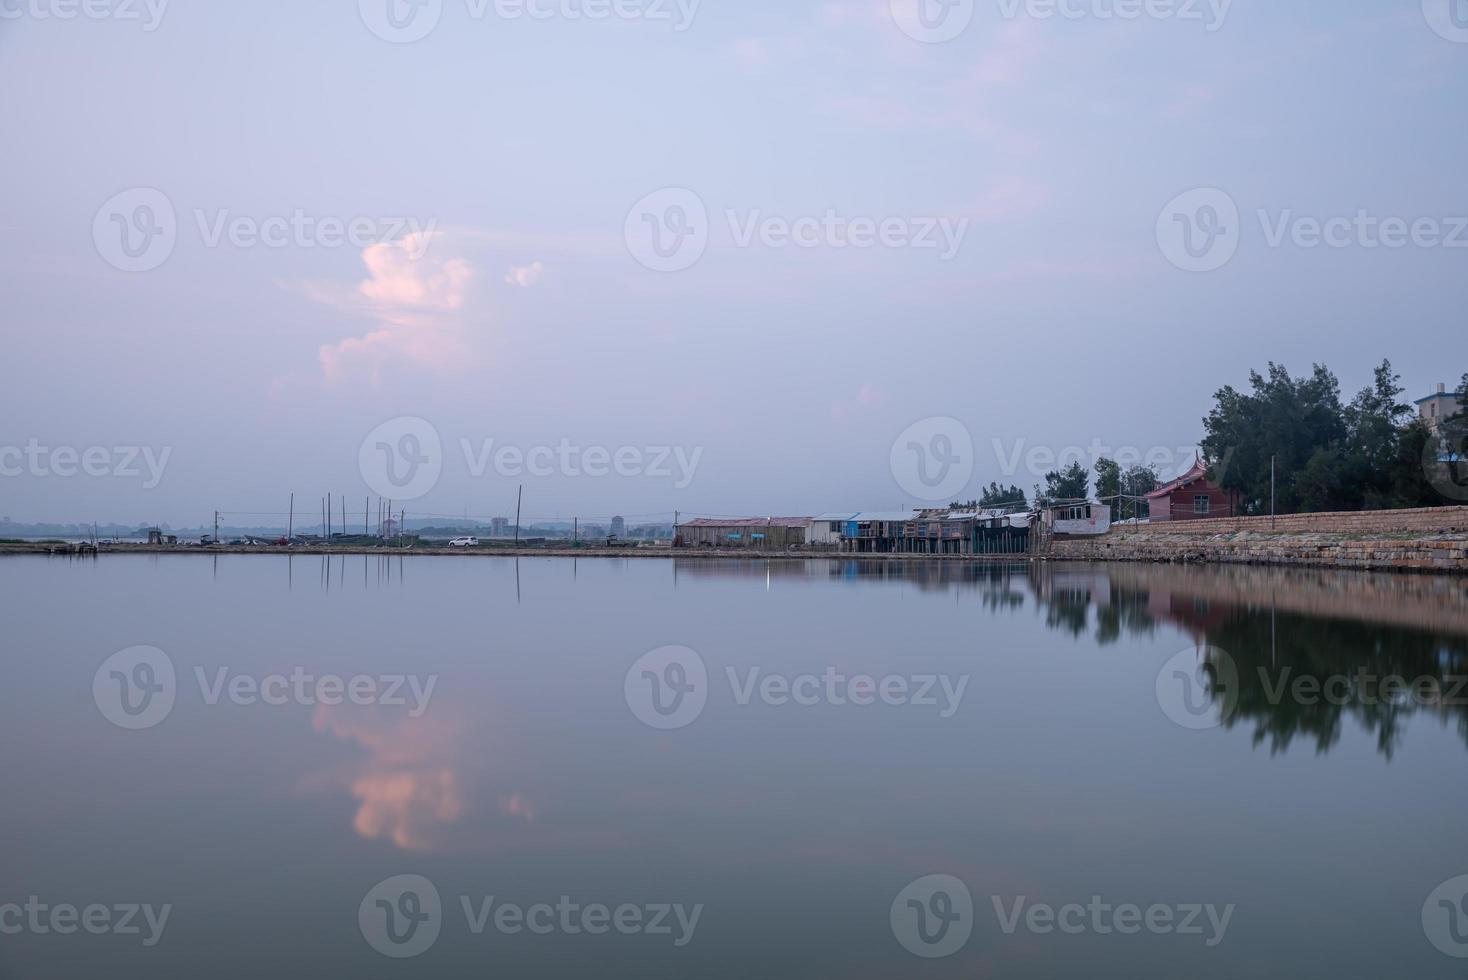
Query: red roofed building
point(1190, 497)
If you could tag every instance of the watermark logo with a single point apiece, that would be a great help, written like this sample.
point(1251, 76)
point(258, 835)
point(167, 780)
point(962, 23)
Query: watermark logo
point(667, 688)
point(1198, 231)
point(1210, 13)
point(677, 464)
point(406, 21)
point(1445, 917)
point(136, 230)
point(400, 21)
point(932, 21)
point(933, 459)
point(1198, 688)
point(38, 918)
point(135, 688)
point(34, 459)
point(401, 459)
point(1448, 18)
point(402, 916)
point(938, 691)
point(1445, 463)
point(1019, 457)
point(147, 12)
point(933, 917)
point(836, 231)
point(1102, 918)
point(668, 230)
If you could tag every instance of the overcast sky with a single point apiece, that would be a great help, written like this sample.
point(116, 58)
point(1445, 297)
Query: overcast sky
point(768, 242)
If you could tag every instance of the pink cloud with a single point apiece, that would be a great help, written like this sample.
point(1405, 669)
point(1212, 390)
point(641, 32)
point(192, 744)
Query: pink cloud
point(417, 302)
point(525, 276)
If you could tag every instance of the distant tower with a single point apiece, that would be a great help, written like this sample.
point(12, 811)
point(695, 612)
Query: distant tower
point(619, 527)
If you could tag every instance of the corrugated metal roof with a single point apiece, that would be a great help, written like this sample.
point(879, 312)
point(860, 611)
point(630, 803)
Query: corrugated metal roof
point(886, 515)
point(748, 522)
point(843, 515)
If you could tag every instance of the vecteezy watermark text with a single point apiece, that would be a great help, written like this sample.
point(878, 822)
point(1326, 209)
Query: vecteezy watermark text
point(136, 230)
point(668, 688)
point(1019, 457)
point(676, 463)
point(1103, 918)
point(669, 230)
point(1210, 13)
point(937, 21)
point(934, 917)
point(148, 13)
point(404, 915)
point(37, 918)
point(1201, 230)
point(137, 687)
point(34, 459)
point(406, 21)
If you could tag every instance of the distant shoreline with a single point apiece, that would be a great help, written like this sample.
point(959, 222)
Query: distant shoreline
point(39, 548)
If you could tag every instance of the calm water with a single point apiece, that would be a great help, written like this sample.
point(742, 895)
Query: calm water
point(1038, 737)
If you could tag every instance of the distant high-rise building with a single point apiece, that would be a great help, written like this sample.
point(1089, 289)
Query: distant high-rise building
point(619, 527)
point(499, 527)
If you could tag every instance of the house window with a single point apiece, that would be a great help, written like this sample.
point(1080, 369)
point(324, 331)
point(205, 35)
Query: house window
point(1200, 504)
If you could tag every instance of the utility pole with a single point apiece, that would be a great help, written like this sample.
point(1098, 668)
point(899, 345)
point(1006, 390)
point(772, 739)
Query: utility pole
point(216, 527)
point(366, 506)
point(290, 521)
point(519, 495)
point(575, 531)
point(1271, 493)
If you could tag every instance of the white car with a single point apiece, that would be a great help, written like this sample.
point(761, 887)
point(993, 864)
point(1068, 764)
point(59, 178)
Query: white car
point(464, 543)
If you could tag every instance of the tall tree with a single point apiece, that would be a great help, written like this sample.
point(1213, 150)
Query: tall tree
point(996, 496)
point(1281, 417)
point(1137, 482)
point(1374, 422)
point(1071, 483)
point(1108, 481)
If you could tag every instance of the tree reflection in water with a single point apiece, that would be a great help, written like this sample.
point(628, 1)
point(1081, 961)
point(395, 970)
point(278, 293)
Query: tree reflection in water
point(1312, 647)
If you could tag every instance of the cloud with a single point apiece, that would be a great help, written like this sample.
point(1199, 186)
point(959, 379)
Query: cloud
point(416, 300)
point(403, 277)
point(525, 276)
point(408, 789)
point(868, 396)
point(1009, 197)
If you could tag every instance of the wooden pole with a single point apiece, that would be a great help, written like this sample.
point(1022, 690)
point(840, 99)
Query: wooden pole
point(290, 521)
point(519, 495)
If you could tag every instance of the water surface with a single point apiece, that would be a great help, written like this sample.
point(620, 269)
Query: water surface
point(1124, 732)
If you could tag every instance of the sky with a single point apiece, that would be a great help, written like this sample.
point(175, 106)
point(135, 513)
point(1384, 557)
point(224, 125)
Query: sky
point(716, 258)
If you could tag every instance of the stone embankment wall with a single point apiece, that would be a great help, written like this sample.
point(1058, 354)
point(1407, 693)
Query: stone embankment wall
point(1431, 539)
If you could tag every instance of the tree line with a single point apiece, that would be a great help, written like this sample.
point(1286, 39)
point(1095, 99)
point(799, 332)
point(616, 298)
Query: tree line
point(1372, 453)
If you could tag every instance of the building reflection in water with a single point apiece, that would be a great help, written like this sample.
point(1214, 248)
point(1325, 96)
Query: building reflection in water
point(1311, 647)
point(459, 779)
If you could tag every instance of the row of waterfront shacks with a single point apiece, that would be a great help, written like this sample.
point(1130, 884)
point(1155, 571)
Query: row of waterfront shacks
point(932, 531)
